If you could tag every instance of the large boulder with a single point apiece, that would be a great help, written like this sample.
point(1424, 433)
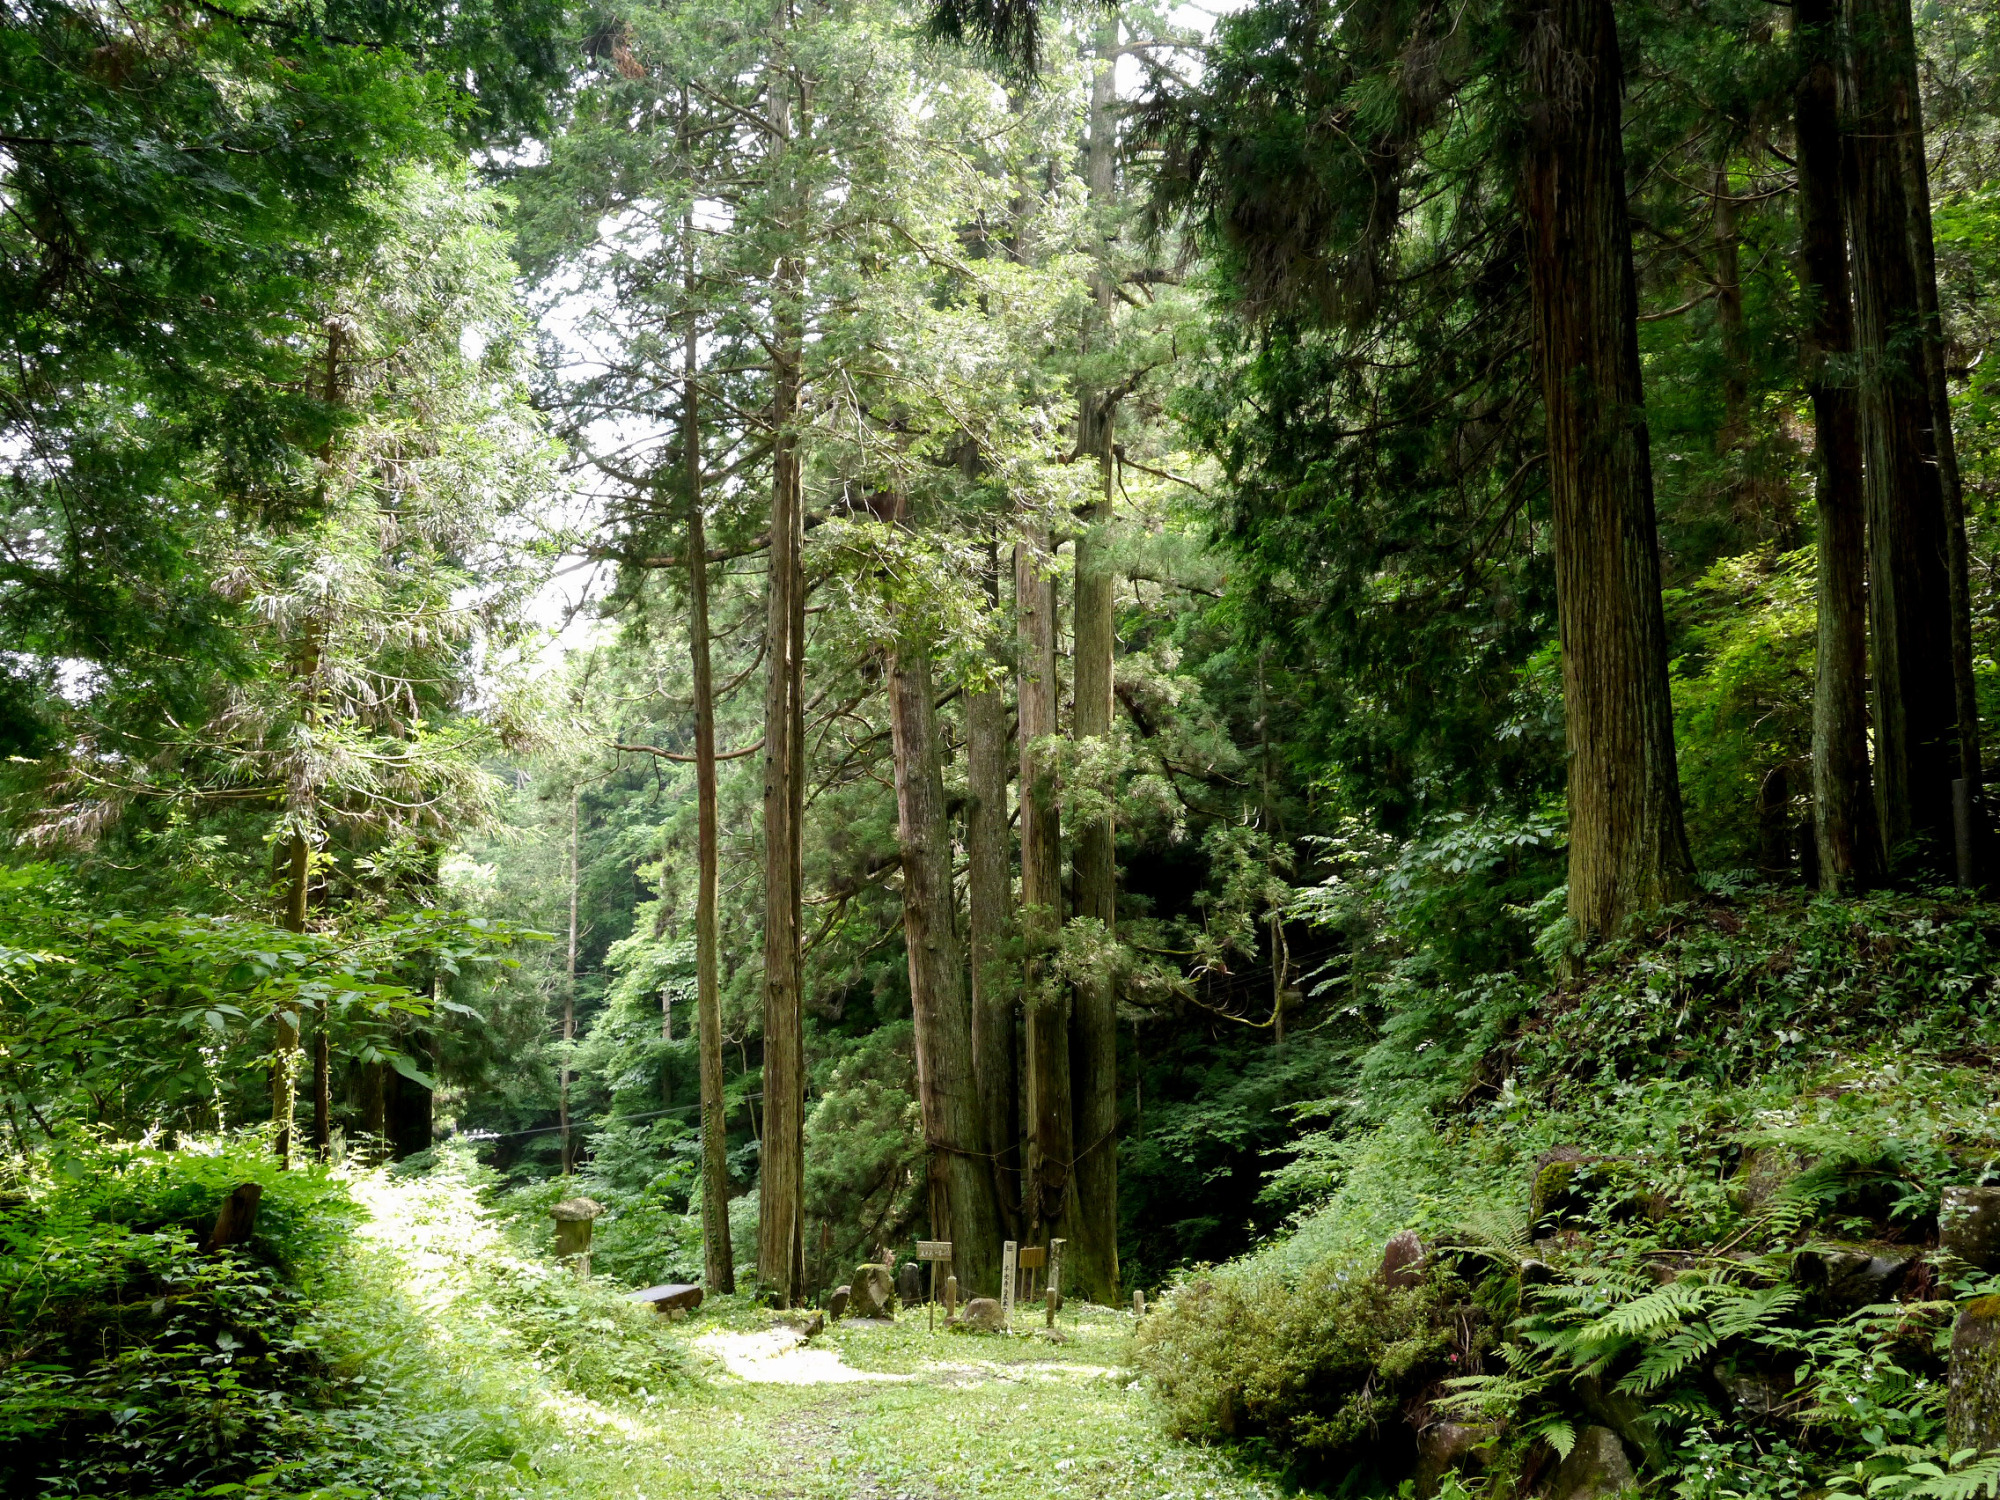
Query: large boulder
point(1596, 1469)
point(1627, 1417)
point(1451, 1447)
point(1762, 1171)
point(1972, 1401)
point(1841, 1277)
point(872, 1293)
point(981, 1315)
point(1969, 1226)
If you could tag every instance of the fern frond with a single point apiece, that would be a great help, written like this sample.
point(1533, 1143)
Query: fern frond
point(1748, 1312)
point(1503, 1231)
point(1966, 1484)
point(1669, 1358)
point(1487, 1395)
point(1658, 1309)
point(1556, 1431)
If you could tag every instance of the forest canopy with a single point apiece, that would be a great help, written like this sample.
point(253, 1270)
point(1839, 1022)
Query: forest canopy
point(1190, 642)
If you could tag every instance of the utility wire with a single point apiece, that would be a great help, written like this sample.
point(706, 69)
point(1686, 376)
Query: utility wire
point(651, 1114)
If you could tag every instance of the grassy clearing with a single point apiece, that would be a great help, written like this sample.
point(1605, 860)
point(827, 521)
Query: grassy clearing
point(592, 1403)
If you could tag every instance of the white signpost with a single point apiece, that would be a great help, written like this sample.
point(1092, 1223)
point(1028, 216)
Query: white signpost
point(1008, 1252)
point(1055, 1269)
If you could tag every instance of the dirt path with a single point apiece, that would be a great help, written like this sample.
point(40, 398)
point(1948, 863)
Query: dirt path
point(864, 1411)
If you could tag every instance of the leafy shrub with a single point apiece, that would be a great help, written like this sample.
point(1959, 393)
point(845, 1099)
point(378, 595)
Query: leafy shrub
point(136, 1363)
point(581, 1333)
point(1728, 993)
point(1312, 1368)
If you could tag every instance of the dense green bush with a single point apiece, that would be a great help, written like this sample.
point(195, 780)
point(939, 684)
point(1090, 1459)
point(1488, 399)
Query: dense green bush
point(136, 1364)
point(1311, 1366)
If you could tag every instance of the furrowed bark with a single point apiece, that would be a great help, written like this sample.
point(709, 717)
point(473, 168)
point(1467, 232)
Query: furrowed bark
point(1092, 1261)
point(780, 1244)
point(1909, 577)
point(1048, 1190)
point(989, 931)
point(963, 1207)
point(1923, 247)
point(1628, 844)
point(781, 1178)
point(718, 1259)
point(1844, 829)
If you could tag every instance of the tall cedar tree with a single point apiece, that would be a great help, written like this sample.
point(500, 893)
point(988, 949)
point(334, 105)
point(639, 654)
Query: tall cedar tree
point(1921, 746)
point(1092, 1264)
point(1628, 847)
point(1844, 825)
point(781, 1203)
point(1048, 1192)
point(963, 1204)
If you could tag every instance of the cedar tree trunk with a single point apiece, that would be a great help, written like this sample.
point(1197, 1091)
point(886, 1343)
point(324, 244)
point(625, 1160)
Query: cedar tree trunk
point(989, 931)
point(963, 1208)
point(1850, 854)
point(718, 1259)
point(1048, 1191)
point(1628, 846)
point(1909, 576)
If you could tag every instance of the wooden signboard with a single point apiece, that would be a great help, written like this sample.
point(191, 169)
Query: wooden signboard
point(1033, 1258)
point(1008, 1271)
point(934, 1251)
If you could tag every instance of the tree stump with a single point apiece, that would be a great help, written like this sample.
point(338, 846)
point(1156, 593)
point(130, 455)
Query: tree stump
point(236, 1221)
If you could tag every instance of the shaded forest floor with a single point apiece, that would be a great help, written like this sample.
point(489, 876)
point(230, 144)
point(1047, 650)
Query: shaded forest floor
point(869, 1411)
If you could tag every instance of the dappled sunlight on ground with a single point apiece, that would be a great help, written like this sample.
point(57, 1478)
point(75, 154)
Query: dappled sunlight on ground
point(781, 1356)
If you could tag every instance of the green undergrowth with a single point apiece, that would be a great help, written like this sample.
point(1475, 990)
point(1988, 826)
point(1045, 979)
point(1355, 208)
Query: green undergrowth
point(395, 1334)
point(1630, 1198)
point(372, 1338)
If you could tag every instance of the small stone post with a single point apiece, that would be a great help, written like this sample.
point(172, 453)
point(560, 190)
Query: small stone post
point(573, 1217)
point(950, 1298)
point(1138, 1303)
point(1972, 1401)
point(1051, 1299)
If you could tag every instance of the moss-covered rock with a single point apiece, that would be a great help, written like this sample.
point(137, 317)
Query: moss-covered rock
point(1969, 1226)
point(1569, 1182)
point(1761, 1175)
point(1596, 1468)
point(1972, 1407)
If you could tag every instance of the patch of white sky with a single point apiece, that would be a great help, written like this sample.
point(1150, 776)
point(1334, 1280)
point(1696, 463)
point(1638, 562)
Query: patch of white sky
point(584, 329)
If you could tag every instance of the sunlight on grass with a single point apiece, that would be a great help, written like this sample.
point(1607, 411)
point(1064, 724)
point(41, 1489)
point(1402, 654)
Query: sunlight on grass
point(553, 1386)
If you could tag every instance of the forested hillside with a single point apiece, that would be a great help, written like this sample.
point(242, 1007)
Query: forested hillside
point(1331, 662)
